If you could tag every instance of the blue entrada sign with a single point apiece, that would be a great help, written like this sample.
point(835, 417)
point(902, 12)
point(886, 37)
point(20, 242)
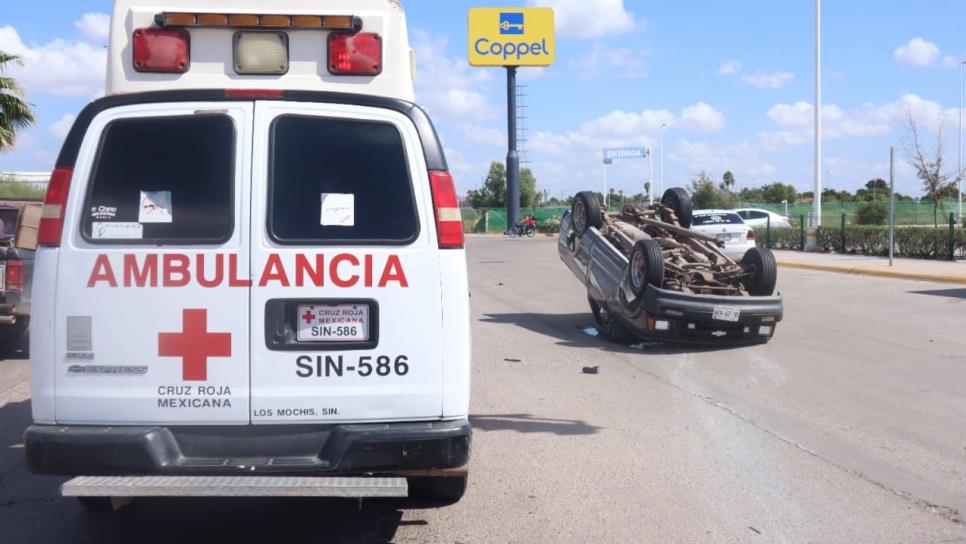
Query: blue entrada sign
point(511, 23)
point(625, 153)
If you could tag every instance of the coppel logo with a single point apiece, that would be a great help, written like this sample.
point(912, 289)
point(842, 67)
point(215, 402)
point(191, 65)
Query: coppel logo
point(511, 23)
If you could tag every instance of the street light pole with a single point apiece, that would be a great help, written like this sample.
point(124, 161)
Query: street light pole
point(960, 165)
point(661, 133)
point(817, 200)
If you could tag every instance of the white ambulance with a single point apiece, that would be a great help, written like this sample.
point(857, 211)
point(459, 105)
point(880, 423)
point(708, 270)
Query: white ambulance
point(252, 278)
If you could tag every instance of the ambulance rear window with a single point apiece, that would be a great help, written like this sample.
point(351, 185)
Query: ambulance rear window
point(339, 181)
point(163, 180)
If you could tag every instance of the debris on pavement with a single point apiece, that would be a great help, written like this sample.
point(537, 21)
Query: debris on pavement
point(591, 370)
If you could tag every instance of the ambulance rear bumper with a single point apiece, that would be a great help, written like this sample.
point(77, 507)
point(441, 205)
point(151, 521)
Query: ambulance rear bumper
point(393, 448)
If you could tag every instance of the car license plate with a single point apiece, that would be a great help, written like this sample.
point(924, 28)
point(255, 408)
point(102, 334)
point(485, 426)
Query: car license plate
point(726, 313)
point(3, 277)
point(333, 323)
point(724, 237)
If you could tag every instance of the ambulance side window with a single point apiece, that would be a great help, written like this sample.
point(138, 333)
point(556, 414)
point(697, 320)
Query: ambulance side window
point(339, 181)
point(163, 180)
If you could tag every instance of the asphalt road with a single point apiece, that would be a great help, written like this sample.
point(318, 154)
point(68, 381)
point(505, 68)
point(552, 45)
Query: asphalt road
point(850, 426)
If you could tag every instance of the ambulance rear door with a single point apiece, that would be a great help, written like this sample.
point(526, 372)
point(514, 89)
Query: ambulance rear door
point(152, 299)
point(346, 302)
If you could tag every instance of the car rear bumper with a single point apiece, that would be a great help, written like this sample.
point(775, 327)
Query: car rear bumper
point(691, 317)
point(392, 448)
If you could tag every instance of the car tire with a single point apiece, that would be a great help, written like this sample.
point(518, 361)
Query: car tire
point(646, 266)
point(438, 491)
point(23, 339)
point(759, 263)
point(586, 212)
point(678, 200)
point(607, 328)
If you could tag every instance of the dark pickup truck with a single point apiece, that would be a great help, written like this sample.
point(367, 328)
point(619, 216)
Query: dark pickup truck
point(16, 270)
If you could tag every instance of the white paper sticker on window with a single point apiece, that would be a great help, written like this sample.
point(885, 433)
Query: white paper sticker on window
point(117, 231)
point(338, 210)
point(155, 207)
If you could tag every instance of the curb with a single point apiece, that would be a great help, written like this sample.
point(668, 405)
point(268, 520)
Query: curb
point(918, 276)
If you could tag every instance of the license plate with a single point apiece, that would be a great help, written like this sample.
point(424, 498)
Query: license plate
point(724, 237)
point(3, 277)
point(725, 313)
point(333, 323)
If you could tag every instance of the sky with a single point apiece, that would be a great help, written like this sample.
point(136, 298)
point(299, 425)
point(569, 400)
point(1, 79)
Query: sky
point(733, 82)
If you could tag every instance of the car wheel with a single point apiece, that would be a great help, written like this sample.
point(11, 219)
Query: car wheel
point(586, 212)
point(759, 263)
point(607, 327)
point(678, 200)
point(439, 491)
point(646, 266)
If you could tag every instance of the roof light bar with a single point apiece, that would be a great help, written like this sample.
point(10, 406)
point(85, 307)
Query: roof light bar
point(251, 20)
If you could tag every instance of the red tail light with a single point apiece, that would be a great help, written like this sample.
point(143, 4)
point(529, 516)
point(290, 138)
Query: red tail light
point(751, 234)
point(14, 279)
point(449, 220)
point(165, 50)
point(55, 203)
point(355, 54)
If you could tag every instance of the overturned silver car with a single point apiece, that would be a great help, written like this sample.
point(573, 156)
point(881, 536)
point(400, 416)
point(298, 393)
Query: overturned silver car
point(648, 276)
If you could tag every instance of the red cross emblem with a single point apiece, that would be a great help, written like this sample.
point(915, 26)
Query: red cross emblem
point(308, 316)
point(194, 344)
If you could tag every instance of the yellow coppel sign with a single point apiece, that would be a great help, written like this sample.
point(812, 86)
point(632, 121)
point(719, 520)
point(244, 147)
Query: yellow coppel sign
point(511, 37)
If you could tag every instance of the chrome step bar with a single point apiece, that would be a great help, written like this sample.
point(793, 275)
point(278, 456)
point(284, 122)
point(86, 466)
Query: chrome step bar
point(233, 486)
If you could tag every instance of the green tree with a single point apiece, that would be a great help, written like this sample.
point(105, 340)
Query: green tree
point(705, 194)
point(15, 113)
point(872, 213)
point(728, 179)
point(529, 196)
point(493, 193)
point(778, 191)
point(929, 166)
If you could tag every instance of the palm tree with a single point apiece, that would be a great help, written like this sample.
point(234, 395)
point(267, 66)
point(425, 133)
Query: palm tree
point(15, 113)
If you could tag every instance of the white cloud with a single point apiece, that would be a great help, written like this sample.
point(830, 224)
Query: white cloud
point(764, 80)
point(703, 118)
point(589, 18)
point(611, 61)
point(483, 135)
point(795, 121)
point(60, 67)
point(94, 28)
point(447, 86)
point(618, 128)
point(60, 128)
point(917, 52)
point(729, 68)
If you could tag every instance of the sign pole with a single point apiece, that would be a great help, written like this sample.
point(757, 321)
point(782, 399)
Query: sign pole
point(512, 157)
point(892, 203)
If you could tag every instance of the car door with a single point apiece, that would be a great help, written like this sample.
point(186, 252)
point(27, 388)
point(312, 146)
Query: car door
point(153, 275)
point(346, 302)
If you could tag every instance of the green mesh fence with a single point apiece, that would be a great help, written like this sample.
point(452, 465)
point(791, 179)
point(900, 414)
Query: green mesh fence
point(493, 220)
point(907, 212)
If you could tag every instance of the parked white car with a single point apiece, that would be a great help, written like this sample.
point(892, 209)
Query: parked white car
point(727, 227)
point(757, 218)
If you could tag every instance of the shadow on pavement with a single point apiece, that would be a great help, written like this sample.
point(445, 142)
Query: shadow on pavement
point(949, 293)
point(31, 510)
point(526, 423)
point(569, 330)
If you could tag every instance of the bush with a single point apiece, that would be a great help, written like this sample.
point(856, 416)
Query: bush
point(550, 224)
point(18, 190)
point(781, 238)
point(912, 242)
point(872, 213)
